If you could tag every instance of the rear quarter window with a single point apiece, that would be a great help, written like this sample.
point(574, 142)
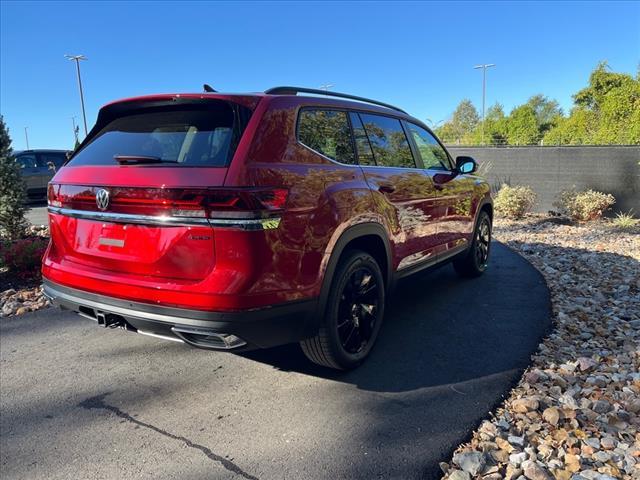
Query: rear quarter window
point(202, 135)
point(327, 132)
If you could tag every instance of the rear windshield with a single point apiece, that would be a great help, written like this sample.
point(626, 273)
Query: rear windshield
point(197, 135)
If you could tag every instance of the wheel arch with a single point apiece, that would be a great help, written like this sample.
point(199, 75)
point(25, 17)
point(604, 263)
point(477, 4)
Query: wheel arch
point(487, 206)
point(370, 237)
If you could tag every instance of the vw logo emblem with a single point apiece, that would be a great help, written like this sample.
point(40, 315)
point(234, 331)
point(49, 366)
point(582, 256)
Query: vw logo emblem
point(102, 199)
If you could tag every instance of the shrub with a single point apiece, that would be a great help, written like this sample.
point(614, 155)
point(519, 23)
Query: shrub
point(12, 210)
point(23, 257)
point(587, 205)
point(514, 202)
point(625, 221)
point(12, 221)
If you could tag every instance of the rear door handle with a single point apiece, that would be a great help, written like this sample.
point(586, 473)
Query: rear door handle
point(386, 188)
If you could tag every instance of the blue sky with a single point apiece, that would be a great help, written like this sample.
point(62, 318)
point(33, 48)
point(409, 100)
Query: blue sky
point(416, 55)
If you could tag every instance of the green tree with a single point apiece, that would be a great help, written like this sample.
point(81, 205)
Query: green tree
point(607, 111)
point(619, 114)
point(576, 129)
point(446, 132)
point(5, 140)
point(495, 127)
point(12, 221)
point(522, 126)
point(601, 82)
point(463, 122)
point(547, 112)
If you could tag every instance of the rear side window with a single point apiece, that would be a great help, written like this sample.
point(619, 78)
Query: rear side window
point(27, 161)
point(200, 135)
point(388, 141)
point(327, 132)
point(433, 155)
point(57, 159)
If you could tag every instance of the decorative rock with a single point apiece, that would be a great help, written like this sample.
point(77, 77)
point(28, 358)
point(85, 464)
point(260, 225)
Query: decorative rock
point(504, 445)
point(551, 415)
point(572, 462)
point(608, 443)
point(512, 472)
point(601, 406)
point(524, 405)
point(471, 462)
point(459, 475)
point(533, 471)
point(585, 363)
point(517, 458)
point(568, 401)
point(562, 474)
point(500, 456)
point(602, 456)
point(504, 425)
point(492, 476)
point(575, 411)
point(593, 442)
point(517, 441)
point(19, 302)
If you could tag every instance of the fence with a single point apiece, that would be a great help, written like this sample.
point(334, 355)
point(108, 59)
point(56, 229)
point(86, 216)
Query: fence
point(549, 170)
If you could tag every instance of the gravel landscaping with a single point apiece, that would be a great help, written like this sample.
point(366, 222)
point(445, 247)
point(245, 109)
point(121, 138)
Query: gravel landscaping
point(20, 296)
point(575, 414)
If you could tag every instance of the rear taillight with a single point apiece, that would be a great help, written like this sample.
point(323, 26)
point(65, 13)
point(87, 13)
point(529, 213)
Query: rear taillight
point(222, 203)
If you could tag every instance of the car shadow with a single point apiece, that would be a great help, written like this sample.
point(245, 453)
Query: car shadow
point(443, 330)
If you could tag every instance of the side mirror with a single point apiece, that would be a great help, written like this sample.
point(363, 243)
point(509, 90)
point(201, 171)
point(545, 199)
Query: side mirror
point(466, 165)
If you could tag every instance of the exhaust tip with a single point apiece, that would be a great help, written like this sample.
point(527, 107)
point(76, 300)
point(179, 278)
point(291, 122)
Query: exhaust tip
point(200, 337)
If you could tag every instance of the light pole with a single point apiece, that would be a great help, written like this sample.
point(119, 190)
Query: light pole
point(26, 137)
point(484, 67)
point(75, 130)
point(77, 59)
point(326, 86)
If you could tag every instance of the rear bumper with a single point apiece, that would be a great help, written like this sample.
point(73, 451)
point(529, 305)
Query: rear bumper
point(237, 330)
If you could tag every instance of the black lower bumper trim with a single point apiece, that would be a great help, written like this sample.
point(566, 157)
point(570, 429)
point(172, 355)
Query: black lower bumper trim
point(259, 328)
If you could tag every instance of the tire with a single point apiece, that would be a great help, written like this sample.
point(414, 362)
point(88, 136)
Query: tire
point(353, 314)
point(475, 261)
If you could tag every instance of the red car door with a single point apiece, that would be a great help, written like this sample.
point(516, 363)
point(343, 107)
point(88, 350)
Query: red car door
point(403, 191)
point(455, 192)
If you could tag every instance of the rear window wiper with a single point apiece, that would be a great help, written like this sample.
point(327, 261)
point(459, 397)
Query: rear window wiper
point(137, 159)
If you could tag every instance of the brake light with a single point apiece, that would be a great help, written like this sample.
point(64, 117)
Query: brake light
point(52, 198)
point(224, 203)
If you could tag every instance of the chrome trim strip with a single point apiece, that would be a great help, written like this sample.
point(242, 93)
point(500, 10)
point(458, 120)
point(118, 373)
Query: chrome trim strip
point(246, 224)
point(167, 221)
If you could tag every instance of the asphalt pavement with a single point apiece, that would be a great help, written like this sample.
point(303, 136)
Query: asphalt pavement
point(37, 213)
point(79, 401)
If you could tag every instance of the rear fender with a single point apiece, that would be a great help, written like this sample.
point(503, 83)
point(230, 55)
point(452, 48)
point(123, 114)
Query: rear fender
point(334, 253)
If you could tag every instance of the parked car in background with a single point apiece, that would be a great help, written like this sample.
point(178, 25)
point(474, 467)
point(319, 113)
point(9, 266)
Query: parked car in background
point(237, 221)
point(37, 168)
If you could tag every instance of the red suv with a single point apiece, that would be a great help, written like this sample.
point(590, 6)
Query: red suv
point(237, 221)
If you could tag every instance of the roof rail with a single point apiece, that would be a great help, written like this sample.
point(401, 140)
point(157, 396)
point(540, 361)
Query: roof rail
point(296, 90)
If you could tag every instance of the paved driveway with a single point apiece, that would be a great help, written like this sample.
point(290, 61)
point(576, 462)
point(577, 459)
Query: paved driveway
point(37, 213)
point(78, 401)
